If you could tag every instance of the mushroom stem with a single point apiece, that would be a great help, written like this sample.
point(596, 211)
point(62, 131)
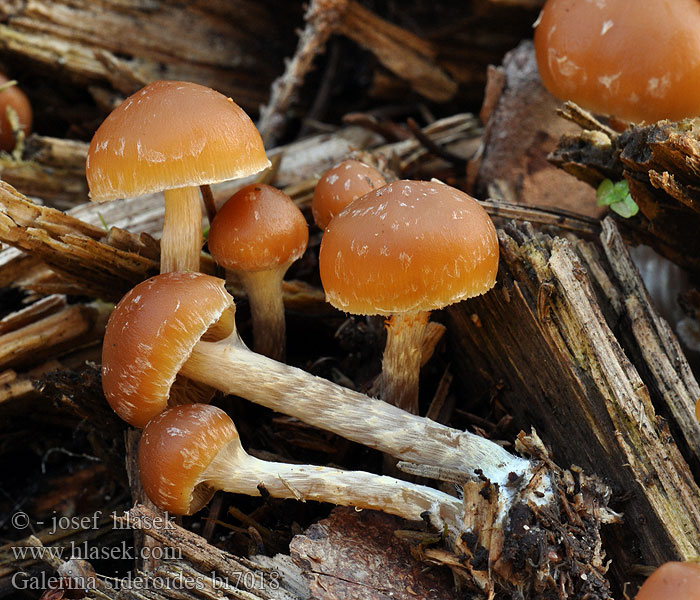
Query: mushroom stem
point(228, 365)
point(181, 242)
point(402, 358)
point(233, 470)
point(264, 290)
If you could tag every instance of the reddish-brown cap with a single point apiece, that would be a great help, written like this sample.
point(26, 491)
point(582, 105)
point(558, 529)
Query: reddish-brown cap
point(13, 97)
point(639, 61)
point(258, 228)
point(171, 134)
point(151, 334)
point(672, 581)
point(408, 246)
point(339, 186)
point(176, 448)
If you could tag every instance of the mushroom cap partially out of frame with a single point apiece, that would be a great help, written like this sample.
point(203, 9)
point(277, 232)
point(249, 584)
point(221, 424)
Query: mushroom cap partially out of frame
point(258, 228)
point(171, 134)
point(150, 335)
point(639, 61)
point(672, 580)
point(408, 246)
point(339, 186)
point(176, 448)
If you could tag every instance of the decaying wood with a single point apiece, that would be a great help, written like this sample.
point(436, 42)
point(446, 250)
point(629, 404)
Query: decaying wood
point(68, 329)
point(522, 128)
point(543, 332)
point(260, 582)
point(126, 44)
point(355, 554)
point(661, 163)
point(52, 169)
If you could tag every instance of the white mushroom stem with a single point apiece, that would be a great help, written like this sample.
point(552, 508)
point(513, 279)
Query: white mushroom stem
point(233, 470)
point(402, 358)
point(264, 289)
point(228, 365)
point(181, 242)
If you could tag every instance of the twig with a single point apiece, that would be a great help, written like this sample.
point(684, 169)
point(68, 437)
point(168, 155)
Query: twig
point(322, 20)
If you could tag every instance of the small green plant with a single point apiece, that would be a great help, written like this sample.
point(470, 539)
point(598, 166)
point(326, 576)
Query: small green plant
point(617, 197)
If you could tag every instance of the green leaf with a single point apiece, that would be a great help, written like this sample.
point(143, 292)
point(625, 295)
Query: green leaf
point(626, 208)
point(605, 193)
point(617, 196)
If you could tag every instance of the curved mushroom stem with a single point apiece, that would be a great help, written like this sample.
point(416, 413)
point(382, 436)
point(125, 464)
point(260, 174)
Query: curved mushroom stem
point(264, 289)
point(402, 358)
point(233, 470)
point(181, 242)
point(228, 365)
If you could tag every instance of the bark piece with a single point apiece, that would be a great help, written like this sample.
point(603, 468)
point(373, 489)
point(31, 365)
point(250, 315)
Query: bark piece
point(354, 554)
point(521, 130)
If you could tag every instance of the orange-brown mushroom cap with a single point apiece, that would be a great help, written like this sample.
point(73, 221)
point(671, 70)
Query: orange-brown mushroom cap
point(639, 61)
point(171, 134)
point(672, 580)
point(408, 246)
point(15, 98)
point(175, 449)
point(151, 334)
point(258, 228)
point(339, 186)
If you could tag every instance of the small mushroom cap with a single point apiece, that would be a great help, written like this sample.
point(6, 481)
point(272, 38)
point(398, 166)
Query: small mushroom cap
point(176, 448)
point(171, 134)
point(639, 61)
point(150, 335)
point(408, 246)
point(672, 580)
point(258, 228)
point(339, 186)
point(15, 98)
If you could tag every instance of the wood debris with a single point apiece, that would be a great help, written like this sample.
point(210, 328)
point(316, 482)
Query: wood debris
point(661, 164)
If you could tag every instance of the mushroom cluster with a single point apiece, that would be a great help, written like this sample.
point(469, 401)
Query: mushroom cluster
point(399, 250)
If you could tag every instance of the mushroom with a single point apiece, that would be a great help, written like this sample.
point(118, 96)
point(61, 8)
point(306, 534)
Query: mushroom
point(401, 251)
point(639, 61)
point(184, 322)
point(339, 186)
point(672, 580)
point(258, 233)
point(173, 136)
point(13, 98)
point(188, 452)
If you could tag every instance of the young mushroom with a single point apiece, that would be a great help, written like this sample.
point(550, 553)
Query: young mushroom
point(184, 322)
point(173, 136)
point(188, 452)
point(339, 186)
point(672, 580)
point(639, 61)
point(258, 233)
point(401, 251)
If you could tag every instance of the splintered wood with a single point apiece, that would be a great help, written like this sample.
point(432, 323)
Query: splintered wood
point(661, 163)
point(543, 332)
